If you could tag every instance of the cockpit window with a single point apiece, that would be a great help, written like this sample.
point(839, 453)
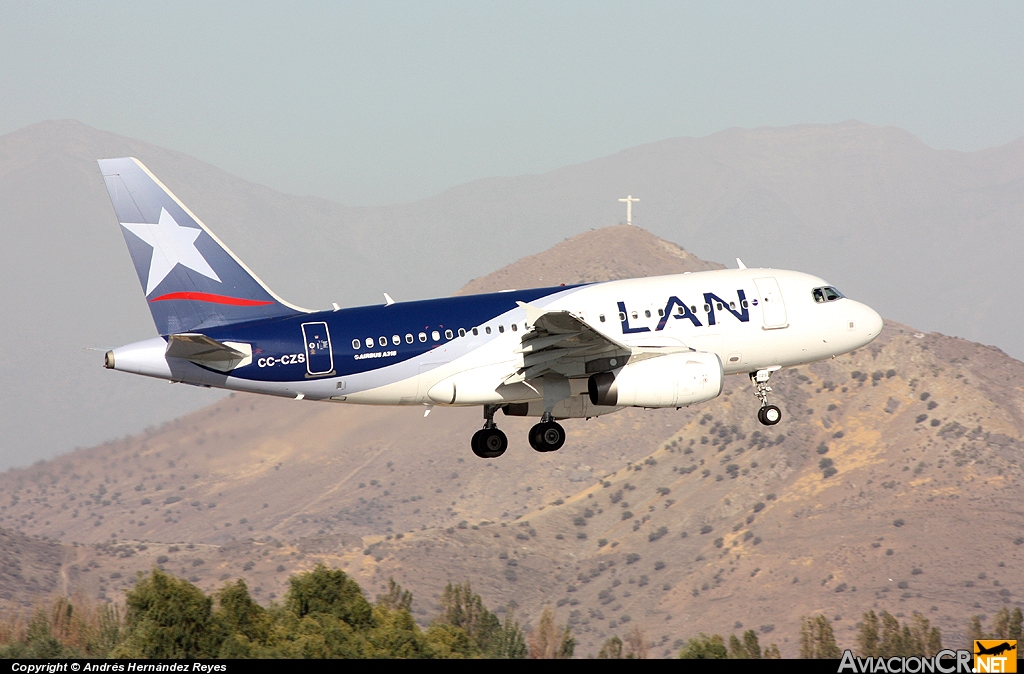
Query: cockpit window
point(826, 294)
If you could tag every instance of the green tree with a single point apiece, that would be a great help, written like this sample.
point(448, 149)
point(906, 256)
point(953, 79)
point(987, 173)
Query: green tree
point(566, 645)
point(736, 649)
point(329, 591)
point(448, 641)
point(1001, 624)
point(509, 642)
point(867, 635)
point(817, 639)
point(890, 641)
point(611, 649)
point(925, 639)
point(168, 618)
point(975, 631)
point(751, 645)
point(462, 607)
point(703, 647)
point(395, 598)
point(1014, 628)
point(772, 653)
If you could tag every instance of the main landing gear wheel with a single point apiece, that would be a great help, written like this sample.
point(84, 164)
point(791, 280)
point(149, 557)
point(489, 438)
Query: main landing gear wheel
point(489, 443)
point(769, 415)
point(547, 436)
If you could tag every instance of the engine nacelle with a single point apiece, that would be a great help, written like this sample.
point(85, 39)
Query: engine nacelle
point(675, 380)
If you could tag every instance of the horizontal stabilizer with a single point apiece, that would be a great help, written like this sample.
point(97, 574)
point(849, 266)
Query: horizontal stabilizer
point(202, 350)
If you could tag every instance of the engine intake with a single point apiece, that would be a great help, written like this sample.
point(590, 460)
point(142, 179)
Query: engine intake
point(675, 380)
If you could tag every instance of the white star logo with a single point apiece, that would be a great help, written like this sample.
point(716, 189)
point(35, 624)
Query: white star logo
point(172, 244)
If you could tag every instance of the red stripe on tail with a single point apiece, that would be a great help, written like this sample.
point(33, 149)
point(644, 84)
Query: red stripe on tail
point(209, 297)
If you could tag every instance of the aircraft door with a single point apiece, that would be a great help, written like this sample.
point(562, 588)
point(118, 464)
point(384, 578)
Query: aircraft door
point(772, 307)
point(319, 356)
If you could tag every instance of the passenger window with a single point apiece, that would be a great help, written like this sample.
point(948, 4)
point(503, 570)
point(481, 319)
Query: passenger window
point(680, 310)
point(647, 313)
point(383, 341)
point(369, 342)
point(355, 344)
point(707, 308)
point(515, 327)
point(448, 334)
point(732, 305)
point(622, 317)
point(436, 335)
point(693, 309)
point(396, 340)
point(718, 305)
point(501, 328)
point(744, 304)
point(462, 332)
point(635, 315)
point(661, 312)
point(601, 317)
point(423, 336)
point(476, 332)
point(408, 338)
point(487, 329)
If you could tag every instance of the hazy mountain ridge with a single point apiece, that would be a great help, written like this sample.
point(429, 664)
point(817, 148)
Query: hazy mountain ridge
point(262, 487)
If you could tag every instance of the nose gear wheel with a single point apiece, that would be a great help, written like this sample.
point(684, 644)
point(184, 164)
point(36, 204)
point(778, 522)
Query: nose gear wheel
point(769, 414)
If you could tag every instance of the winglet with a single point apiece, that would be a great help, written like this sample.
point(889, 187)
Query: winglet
point(532, 313)
point(739, 264)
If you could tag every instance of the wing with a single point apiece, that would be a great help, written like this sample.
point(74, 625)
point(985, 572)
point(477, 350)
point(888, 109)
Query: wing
point(563, 343)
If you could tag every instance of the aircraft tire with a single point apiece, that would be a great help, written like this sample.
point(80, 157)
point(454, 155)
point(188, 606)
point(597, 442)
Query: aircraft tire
point(489, 443)
point(547, 437)
point(769, 415)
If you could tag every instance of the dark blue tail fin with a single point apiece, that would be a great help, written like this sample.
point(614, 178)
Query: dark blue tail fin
point(191, 279)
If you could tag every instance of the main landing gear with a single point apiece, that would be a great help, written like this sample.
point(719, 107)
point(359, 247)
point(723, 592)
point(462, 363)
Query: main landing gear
point(489, 442)
point(769, 415)
point(547, 436)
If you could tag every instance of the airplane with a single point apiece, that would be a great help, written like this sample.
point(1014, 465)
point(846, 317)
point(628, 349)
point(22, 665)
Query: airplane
point(564, 352)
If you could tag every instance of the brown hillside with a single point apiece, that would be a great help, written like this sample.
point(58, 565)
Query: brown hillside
point(925, 432)
point(606, 254)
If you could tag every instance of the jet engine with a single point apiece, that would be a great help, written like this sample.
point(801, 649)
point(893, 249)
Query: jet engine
point(674, 380)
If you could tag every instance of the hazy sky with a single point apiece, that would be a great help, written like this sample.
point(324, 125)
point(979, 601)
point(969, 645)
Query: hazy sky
point(374, 102)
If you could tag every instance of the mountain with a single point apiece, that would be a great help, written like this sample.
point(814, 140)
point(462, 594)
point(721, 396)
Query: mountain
point(901, 461)
point(927, 237)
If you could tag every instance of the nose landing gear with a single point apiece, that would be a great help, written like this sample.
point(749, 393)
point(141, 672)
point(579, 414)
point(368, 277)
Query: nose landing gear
point(489, 442)
point(769, 415)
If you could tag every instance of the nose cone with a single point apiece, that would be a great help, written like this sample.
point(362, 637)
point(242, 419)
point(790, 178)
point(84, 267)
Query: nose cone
point(870, 322)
